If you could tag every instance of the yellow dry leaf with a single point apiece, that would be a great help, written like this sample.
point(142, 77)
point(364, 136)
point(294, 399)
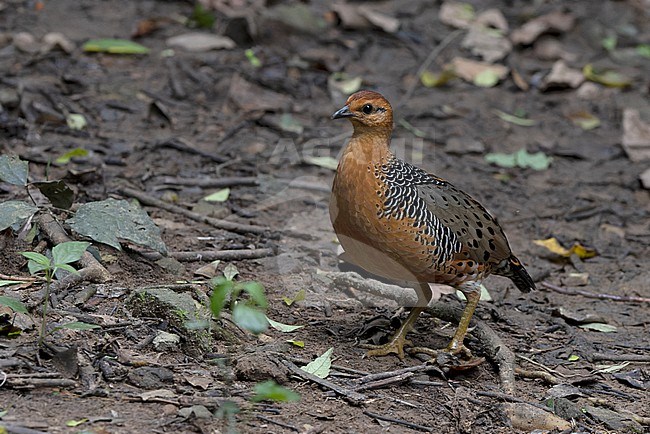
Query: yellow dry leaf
point(554, 246)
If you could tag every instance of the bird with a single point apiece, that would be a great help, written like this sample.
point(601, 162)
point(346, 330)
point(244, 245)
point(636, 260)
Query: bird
point(399, 222)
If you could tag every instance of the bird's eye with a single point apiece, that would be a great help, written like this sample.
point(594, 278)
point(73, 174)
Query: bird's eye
point(367, 109)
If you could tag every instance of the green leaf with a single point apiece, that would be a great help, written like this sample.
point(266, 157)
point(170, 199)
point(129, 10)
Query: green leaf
point(299, 344)
point(218, 196)
point(643, 50)
point(68, 252)
point(221, 289)
point(609, 42)
point(13, 212)
point(300, 296)
point(78, 325)
point(65, 267)
point(75, 423)
point(326, 162)
point(76, 121)
point(515, 119)
point(58, 192)
point(487, 78)
point(37, 258)
point(584, 120)
point(271, 391)
point(107, 220)
point(13, 170)
point(289, 124)
point(76, 152)
point(249, 318)
point(114, 46)
point(320, 367)
point(573, 358)
point(203, 18)
point(344, 83)
point(607, 77)
point(35, 267)
point(10, 282)
point(13, 304)
point(437, 79)
point(599, 327)
point(230, 271)
point(521, 158)
point(252, 58)
point(284, 328)
point(256, 292)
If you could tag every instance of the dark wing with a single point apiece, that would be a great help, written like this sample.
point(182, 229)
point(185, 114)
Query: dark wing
point(480, 236)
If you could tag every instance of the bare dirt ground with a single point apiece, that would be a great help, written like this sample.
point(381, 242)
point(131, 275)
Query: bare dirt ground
point(160, 123)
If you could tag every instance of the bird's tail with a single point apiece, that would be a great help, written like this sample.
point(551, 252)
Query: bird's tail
point(515, 271)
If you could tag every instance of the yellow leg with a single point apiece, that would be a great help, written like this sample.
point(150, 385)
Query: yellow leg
point(397, 342)
point(456, 344)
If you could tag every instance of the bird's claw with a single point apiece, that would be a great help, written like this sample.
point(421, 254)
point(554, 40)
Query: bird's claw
point(395, 346)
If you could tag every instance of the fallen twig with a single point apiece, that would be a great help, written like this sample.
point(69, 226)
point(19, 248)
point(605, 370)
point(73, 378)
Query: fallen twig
point(624, 298)
point(621, 357)
point(277, 422)
point(388, 381)
point(398, 421)
point(217, 223)
point(352, 396)
point(18, 429)
point(213, 255)
point(541, 375)
point(32, 383)
point(212, 182)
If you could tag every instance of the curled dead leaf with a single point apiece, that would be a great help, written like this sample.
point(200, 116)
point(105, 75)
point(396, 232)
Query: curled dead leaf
point(553, 245)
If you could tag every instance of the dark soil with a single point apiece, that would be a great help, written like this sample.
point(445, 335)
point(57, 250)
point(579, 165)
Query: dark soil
point(228, 114)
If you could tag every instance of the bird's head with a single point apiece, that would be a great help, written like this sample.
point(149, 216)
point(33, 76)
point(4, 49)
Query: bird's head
point(367, 109)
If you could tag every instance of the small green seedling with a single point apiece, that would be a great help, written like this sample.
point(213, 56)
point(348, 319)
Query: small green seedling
point(62, 256)
point(247, 314)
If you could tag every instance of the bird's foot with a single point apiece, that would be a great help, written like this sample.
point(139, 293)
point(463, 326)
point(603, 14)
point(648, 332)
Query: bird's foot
point(395, 346)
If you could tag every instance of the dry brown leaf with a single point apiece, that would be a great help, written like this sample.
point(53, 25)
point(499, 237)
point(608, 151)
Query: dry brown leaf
point(636, 136)
point(562, 76)
point(468, 69)
point(365, 17)
point(533, 29)
point(553, 245)
point(251, 97)
point(200, 42)
point(456, 14)
point(487, 36)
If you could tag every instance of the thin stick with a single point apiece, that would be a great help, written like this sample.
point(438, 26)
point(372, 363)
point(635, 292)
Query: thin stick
point(217, 223)
point(624, 298)
point(277, 422)
point(352, 396)
point(382, 375)
point(389, 381)
point(213, 255)
point(398, 421)
point(541, 375)
point(621, 357)
point(212, 182)
point(435, 52)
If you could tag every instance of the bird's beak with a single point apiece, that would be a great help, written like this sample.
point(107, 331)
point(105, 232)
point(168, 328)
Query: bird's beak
point(343, 112)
